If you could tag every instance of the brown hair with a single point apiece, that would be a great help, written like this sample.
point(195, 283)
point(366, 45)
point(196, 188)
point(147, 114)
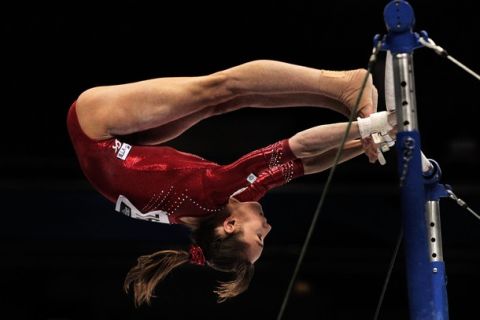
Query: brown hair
point(226, 254)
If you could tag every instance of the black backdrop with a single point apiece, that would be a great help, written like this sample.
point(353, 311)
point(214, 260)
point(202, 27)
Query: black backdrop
point(64, 251)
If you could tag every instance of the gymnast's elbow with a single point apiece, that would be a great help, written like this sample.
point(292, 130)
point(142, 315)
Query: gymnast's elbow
point(302, 146)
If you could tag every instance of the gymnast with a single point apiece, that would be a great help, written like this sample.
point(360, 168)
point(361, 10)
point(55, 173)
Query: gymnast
point(146, 179)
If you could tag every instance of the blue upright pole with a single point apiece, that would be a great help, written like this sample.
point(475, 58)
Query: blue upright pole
point(435, 191)
point(424, 301)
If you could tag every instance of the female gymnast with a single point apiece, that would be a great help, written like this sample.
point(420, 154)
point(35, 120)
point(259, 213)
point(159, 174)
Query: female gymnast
point(218, 203)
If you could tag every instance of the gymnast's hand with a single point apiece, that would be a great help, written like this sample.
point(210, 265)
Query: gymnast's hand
point(378, 131)
point(371, 149)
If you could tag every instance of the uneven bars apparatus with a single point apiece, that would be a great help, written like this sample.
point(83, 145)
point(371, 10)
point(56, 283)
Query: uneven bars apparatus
point(419, 177)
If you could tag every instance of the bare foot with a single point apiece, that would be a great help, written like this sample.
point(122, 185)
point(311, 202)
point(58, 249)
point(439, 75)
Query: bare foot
point(369, 99)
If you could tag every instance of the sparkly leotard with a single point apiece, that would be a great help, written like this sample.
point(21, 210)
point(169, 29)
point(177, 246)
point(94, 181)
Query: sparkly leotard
point(176, 184)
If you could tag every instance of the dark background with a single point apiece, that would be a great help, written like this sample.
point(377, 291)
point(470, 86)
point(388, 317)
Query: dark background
point(64, 252)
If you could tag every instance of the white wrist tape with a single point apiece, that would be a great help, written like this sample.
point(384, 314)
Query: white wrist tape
point(375, 123)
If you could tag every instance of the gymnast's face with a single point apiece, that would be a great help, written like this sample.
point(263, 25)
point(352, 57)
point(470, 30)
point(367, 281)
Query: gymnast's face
point(249, 218)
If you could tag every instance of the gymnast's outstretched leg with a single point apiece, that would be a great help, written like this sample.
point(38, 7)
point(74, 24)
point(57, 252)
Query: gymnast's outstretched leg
point(108, 111)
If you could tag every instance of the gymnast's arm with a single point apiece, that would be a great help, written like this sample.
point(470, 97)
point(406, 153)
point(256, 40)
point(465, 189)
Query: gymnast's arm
point(315, 150)
point(325, 160)
point(321, 142)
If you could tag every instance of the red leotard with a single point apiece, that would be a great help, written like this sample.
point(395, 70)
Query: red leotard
point(178, 183)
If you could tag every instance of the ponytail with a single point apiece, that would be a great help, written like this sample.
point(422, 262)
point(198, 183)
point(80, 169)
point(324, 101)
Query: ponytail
point(150, 270)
